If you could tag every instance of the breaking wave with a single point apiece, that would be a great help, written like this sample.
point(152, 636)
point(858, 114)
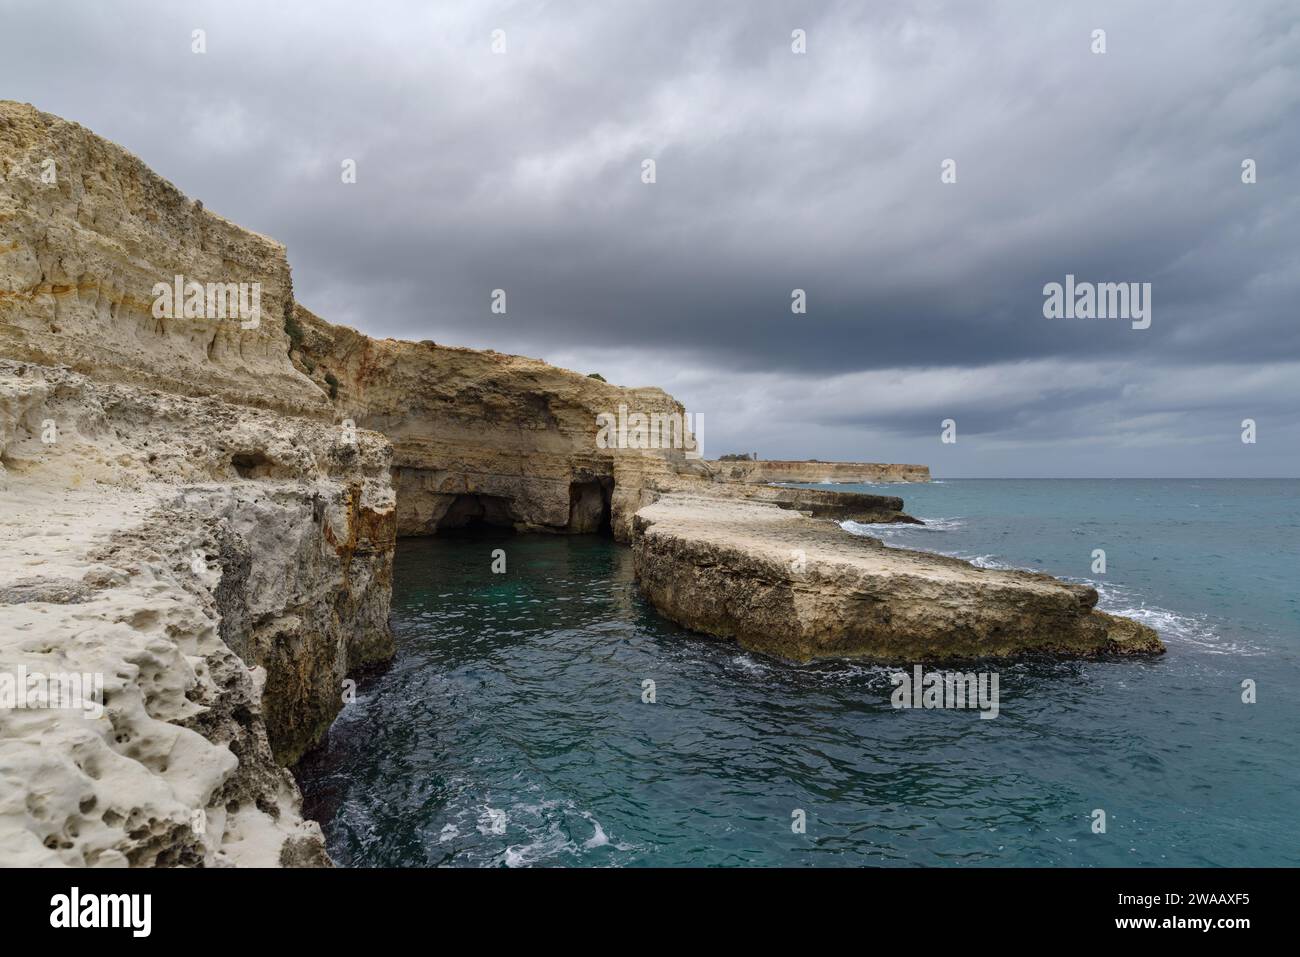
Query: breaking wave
point(1197, 631)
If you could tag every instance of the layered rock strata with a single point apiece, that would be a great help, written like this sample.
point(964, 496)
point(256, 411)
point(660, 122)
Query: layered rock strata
point(800, 588)
point(87, 232)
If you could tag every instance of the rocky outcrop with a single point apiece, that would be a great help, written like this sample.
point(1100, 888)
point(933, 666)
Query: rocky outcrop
point(813, 472)
point(224, 570)
point(182, 517)
point(495, 438)
point(800, 588)
point(511, 441)
point(815, 503)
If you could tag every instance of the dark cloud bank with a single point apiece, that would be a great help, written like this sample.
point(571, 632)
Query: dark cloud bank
point(820, 171)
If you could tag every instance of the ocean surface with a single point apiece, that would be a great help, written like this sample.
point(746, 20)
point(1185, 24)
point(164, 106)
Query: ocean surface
point(510, 729)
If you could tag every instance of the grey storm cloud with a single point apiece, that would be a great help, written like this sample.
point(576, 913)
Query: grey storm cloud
point(775, 171)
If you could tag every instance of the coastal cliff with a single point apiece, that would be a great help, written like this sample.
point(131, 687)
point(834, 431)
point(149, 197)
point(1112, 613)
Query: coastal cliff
point(225, 570)
point(195, 509)
point(203, 511)
point(500, 439)
point(181, 516)
point(86, 233)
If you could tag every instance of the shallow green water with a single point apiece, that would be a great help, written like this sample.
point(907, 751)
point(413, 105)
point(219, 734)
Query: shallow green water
point(510, 728)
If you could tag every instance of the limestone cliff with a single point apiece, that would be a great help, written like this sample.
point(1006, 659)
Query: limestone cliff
point(224, 520)
point(86, 233)
point(181, 516)
point(498, 438)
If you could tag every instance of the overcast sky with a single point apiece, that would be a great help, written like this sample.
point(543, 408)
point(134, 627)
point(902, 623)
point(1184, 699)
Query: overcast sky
point(774, 170)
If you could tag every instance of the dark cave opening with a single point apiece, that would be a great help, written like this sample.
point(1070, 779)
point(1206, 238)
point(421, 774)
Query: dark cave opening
point(470, 513)
point(589, 506)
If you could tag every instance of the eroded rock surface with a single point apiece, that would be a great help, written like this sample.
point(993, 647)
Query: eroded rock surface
point(223, 609)
point(181, 514)
point(800, 588)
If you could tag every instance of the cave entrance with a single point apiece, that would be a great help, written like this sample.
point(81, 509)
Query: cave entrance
point(589, 506)
point(472, 513)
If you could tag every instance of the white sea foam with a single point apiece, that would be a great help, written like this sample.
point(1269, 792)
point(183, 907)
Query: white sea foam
point(600, 838)
point(547, 825)
point(552, 843)
point(938, 524)
point(846, 671)
point(492, 821)
point(751, 665)
point(902, 534)
point(1174, 628)
point(878, 529)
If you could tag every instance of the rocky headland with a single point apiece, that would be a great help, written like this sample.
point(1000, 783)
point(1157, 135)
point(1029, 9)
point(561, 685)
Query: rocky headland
point(813, 472)
point(785, 584)
point(203, 511)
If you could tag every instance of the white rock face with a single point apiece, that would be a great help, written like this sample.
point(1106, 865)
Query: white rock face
point(223, 570)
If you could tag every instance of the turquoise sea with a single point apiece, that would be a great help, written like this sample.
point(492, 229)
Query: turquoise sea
point(510, 728)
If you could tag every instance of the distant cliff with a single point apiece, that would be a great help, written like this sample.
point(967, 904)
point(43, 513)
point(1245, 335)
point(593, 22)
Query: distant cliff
point(809, 471)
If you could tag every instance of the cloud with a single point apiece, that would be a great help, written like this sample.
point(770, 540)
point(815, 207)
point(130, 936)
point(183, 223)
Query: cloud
point(774, 171)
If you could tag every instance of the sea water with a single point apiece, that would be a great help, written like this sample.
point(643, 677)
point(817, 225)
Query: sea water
point(513, 727)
